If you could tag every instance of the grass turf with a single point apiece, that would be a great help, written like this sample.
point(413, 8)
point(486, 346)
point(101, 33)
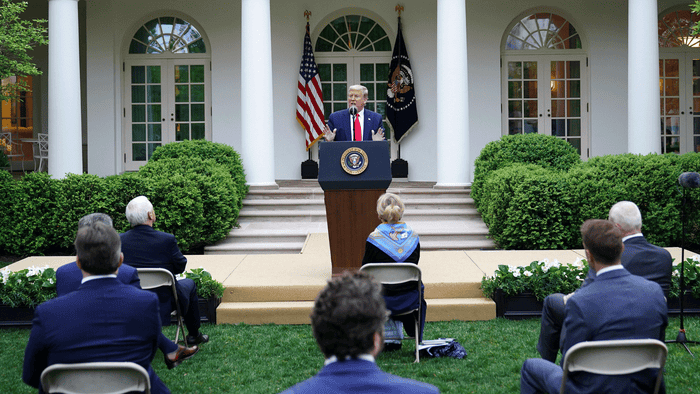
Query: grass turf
point(269, 358)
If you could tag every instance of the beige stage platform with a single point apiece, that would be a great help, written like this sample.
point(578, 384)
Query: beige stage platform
point(281, 288)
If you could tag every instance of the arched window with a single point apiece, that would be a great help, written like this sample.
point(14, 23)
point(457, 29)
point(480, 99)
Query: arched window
point(679, 82)
point(167, 34)
point(544, 79)
point(353, 49)
point(167, 87)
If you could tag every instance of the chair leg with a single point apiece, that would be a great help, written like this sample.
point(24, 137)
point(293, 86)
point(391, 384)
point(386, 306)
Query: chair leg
point(417, 337)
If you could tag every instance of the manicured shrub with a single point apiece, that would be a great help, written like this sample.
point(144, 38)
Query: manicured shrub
point(546, 151)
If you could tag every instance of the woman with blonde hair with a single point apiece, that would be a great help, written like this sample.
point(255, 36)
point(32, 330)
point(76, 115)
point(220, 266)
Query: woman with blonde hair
point(394, 241)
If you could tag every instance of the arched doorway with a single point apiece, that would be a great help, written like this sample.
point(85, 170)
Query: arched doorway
point(167, 88)
point(544, 79)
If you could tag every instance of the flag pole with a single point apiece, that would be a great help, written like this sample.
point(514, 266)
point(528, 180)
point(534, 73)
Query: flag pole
point(399, 167)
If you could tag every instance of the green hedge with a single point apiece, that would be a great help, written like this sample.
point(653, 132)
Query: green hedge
point(196, 198)
point(527, 205)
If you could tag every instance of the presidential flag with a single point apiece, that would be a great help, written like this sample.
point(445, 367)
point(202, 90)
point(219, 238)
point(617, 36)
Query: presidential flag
point(309, 95)
point(400, 96)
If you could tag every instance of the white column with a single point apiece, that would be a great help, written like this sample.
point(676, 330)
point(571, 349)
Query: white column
point(643, 108)
point(257, 141)
point(452, 95)
point(65, 126)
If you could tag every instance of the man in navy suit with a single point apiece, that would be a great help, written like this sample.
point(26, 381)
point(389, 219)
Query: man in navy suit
point(616, 305)
point(356, 123)
point(639, 258)
point(69, 276)
point(103, 320)
point(145, 247)
point(348, 324)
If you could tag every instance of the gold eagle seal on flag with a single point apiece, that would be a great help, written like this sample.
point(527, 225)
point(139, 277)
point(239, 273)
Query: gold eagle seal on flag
point(401, 82)
point(354, 161)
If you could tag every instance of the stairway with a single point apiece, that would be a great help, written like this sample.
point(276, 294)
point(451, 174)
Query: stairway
point(277, 221)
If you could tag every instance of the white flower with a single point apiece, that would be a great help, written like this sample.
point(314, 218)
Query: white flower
point(696, 258)
point(527, 273)
point(516, 274)
point(578, 263)
point(51, 280)
point(180, 276)
point(4, 275)
point(512, 269)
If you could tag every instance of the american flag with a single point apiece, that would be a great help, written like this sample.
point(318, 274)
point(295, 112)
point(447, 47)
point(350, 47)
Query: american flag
point(310, 95)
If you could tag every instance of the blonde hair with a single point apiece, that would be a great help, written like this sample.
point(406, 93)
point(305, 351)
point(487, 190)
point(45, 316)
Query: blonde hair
point(390, 208)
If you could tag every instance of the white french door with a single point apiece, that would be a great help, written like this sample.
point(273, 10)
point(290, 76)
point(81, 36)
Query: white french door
point(679, 83)
point(166, 100)
point(547, 94)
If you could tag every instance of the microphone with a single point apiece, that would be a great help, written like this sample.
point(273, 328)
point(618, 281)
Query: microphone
point(689, 179)
point(353, 110)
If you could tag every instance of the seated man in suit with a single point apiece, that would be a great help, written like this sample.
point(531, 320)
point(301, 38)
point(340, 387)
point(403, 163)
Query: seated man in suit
point(103, 320)
point(348, 323)
point(356, 123)
point(639, 258)
point(145, 247)
point(69, 276)
point(616, 305)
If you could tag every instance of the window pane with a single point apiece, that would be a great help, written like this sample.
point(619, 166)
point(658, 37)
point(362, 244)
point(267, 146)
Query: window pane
point(366, 72)
point(181, 74)
point(574, 127)
point(530, 89)
point(574, 90)
point(558, 108)
point(382, 71)
point(558, 128)
point(138, 74)
point(138, 152)
point(138, 132)
point(671, 68)
point(197, 47)
point(381, 91)
point(530, 126)
point(197, 73)
point(197, 131)
point(154, 132)
point(340, 92)
point(515, 89)
point(138, 94)
point(151, 148)
point(558, 90)
point(530, 107)
point(340, 72)
point(370, 106)
point(576, 143)
point(574, 110)
point(182, 132)
point(558, 70)
point(339, 106)
point(138, 113)
point(370, 91)
point(137, 47)
point(381, 109)
point(153, 74)
point(515, 70)
point(197, 93)
point(154, 113)
point(383, 45)
point(182, 93)
point(327, 110)
point(530, 70)
point(515, 126)
point(671, 87)
point(182, 112)
point(326, 88)
point(515, 109)
point(154, 93)
point(197, 112)
point(672, 106)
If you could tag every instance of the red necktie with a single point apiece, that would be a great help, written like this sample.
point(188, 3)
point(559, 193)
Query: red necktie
point(358, 129)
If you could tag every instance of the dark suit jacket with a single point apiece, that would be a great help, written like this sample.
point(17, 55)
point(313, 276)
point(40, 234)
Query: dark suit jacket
point(646, 260)
point(69, 276)
point(341, 120)
point(103, 320)
point(358, 376)
point(144, 247)
point(617, 305)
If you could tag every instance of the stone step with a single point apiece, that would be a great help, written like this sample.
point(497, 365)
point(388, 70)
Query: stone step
point(233, 246)
point(297, 312)
point(297, 203)
point(462, 244)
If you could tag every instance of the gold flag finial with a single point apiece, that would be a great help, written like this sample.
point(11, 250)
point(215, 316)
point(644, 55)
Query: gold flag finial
point(398, 9)
point(307, 14)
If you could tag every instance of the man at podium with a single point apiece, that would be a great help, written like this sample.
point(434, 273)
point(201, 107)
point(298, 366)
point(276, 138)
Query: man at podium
point(355, 123)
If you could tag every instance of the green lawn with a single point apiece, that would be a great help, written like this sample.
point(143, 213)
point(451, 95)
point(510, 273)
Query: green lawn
point(270, 358)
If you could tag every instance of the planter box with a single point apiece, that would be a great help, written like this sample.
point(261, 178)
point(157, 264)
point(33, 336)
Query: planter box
point(517, 307)
point(207, 310)
point(691, 306)
point(16, 317)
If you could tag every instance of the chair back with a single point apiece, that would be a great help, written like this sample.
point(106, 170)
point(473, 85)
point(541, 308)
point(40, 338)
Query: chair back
point(393, 273)
point(615, 357)
point(43, 144)
point(95, 378)
point(152, 278)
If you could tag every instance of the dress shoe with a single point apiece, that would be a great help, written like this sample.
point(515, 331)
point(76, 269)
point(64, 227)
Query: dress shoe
point(182, 354)
point(201, 338)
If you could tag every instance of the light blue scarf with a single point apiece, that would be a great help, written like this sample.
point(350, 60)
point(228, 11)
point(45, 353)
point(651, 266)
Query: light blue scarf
point(396, 240)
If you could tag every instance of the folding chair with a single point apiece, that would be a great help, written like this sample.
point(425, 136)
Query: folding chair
point(398, 273)
point(615, 357)
point(95, 378)
point(152, 278)
point(42, 152)
point(17, 151)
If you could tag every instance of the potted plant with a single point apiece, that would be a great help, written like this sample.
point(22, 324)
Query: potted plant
point(691, 295)
point(209, 292)
point(22, 291)
point(519, 291)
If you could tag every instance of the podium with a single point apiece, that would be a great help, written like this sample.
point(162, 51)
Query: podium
point(352, 175)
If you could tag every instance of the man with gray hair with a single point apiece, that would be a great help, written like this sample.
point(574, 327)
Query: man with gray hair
point(145, 247)
point(69, 277)
point(348, 323)
point(639, 257)
point(356, 123)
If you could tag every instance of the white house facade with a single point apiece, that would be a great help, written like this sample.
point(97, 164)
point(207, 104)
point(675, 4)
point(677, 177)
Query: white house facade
point(121, 77)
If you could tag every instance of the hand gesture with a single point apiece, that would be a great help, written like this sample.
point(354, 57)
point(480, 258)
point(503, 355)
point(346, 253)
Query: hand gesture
point(328, 134)
point(379, 135)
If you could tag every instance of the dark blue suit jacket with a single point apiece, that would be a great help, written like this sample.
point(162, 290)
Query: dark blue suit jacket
point(103, 320)
point(144, 247)
point(341, 120)
point(358, 376)
point(69, 276)
point(616, 305)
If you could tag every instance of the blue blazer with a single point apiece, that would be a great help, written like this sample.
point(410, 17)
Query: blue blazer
point(359, 376)
point(103, 320)
point(144, 247)
point(341, 120)
point(616, 305)
point(69, 276)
